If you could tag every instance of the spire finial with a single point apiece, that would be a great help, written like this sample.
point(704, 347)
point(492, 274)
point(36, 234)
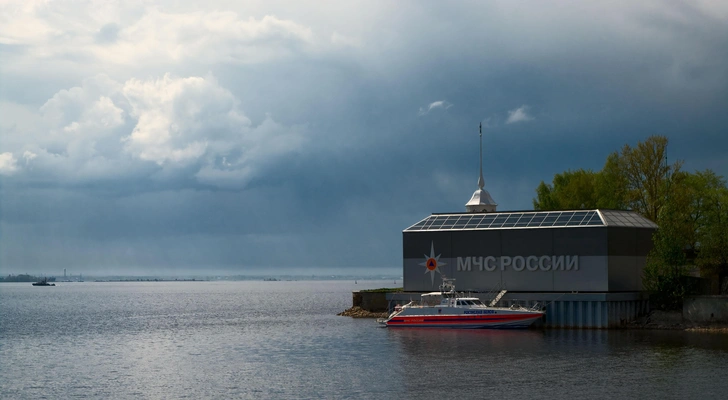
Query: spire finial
point(481, 200)
point(481, 183)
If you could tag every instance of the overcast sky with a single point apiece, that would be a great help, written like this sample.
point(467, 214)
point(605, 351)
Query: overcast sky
point(225, 136)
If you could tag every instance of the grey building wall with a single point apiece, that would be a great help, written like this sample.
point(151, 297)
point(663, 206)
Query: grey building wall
point(609, 259)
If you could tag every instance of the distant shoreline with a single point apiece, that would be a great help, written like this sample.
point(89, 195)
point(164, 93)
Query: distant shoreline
point(148, 280)
point(25, 278)
point(234, 278)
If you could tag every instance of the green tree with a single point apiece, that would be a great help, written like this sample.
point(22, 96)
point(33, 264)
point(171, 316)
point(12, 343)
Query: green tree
point(611, 185)
point(693, 230)
point(636, 178)
point(691, 210)
point(694, 197)
point(545, 200)
point(664, 272)
point(711, 228)
point(584, 189)
point(647, 175)
point(571, 190)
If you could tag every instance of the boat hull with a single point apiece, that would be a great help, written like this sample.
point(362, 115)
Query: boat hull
point(490, 321)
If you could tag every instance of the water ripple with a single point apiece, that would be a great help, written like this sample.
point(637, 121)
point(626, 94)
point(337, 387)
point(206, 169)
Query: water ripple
point(283, 340)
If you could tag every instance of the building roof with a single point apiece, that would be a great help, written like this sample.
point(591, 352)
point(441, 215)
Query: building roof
point(531, 219)
point(481, 202)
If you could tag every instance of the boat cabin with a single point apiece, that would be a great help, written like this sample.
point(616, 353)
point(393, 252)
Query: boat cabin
point(436, 299)
point(468, 302)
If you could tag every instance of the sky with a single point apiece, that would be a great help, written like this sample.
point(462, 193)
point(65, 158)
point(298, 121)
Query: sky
point(229, 137)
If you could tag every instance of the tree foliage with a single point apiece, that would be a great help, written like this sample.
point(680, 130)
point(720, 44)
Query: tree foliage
point(570, 190)
point(647, 175)
point(691, 210)
point(637, 178)
point(693, 230)
point(711, 237)
point(666, 263)
point(611, 185)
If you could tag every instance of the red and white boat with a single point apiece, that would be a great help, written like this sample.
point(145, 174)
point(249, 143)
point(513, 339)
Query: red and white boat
point(449, 309)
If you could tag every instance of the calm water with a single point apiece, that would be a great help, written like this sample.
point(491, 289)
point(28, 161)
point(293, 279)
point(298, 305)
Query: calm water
point(284, 340)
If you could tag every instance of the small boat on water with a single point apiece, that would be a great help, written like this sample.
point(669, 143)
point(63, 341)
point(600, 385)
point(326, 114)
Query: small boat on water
point(449, 309)
point(43, 282)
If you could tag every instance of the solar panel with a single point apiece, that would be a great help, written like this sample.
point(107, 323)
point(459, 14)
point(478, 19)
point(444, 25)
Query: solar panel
point(531, 219)
point(524, 220)
point(626, 219)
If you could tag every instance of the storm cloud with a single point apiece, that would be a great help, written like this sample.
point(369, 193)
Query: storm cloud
point(225, 137)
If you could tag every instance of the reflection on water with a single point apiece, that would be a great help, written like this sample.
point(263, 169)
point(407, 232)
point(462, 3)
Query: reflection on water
point(471, 345)
point(283, 340)
point(583, 363)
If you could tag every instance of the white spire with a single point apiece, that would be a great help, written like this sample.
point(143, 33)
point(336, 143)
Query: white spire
point(481, 182)
point(481, 200)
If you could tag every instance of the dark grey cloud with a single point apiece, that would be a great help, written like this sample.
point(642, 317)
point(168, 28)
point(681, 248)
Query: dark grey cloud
point(316, 149)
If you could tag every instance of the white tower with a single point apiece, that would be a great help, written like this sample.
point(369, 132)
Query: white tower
point(481, 200)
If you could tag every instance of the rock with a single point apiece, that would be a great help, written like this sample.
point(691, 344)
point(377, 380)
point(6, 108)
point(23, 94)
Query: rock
point(358, 312)
point(673, 320)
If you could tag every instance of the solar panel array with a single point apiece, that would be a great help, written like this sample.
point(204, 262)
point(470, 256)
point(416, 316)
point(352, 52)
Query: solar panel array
point(627, 218)
point(532, 219)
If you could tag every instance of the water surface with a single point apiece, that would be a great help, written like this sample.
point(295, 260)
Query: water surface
point(251, 339)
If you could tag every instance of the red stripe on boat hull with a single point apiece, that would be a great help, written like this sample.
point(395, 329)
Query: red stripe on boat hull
point(465, 321)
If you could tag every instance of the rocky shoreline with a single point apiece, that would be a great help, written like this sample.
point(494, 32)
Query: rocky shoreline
point(673, 320)
point(358, 312)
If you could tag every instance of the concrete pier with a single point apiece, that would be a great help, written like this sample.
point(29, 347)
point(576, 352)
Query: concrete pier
point(706, 309)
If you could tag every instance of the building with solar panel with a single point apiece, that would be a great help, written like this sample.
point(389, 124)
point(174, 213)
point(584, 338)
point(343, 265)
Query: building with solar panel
point(584, 266)
point(528, 251)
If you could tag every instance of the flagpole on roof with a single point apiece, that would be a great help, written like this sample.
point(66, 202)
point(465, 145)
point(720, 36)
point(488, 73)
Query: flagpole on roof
point(481, 183)
point(481, 200)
